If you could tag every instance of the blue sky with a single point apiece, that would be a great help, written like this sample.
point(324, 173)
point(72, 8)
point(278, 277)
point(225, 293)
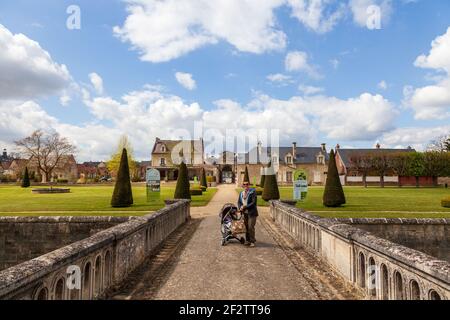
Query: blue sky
point(345, 83)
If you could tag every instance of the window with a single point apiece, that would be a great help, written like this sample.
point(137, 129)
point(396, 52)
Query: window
point(275, 160)
point(163, 161)
point(288, 176)
point(163, 148)
point(289, 159)
point(320, 159)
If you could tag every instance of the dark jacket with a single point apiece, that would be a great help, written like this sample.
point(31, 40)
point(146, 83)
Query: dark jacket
point(252, 207)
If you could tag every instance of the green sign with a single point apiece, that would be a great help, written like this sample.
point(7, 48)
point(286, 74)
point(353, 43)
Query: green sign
point(300, 185)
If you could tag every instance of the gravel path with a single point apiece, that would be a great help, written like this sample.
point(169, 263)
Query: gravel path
point(194, 265)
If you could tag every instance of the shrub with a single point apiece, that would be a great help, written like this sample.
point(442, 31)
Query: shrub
point(259, 191)
point(263, 179)
point(123, 195)
point(446, 202)
point(210, 179)
point(26, 179)
point(183, 186)
point(196, 190)
point(246, 176)
point(204, 188)
point(271, 191)
point(62, 181)
point(334, 194)
point(203, 181)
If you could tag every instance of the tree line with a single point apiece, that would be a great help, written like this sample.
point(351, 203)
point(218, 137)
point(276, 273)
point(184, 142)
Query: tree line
point(403, 164)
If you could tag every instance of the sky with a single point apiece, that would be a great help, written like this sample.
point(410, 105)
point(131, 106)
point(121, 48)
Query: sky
point(353, 72)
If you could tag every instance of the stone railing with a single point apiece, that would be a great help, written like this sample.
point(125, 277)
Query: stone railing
point(87, 269)
point(380, 268)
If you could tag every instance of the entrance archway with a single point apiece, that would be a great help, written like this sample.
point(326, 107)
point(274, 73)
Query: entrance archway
point(227, 175)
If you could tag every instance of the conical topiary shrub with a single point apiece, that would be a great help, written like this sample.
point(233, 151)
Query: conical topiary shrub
point(203, 181)
point(182, 190)
point(123, 195)
point(26, 179)
point(246, 176)
point(334, 193)
point(271, 191)
point(263, 179)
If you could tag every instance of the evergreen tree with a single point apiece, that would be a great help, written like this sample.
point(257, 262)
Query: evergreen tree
point(123, 195)
point(182, 190)
point(203, 181)
point(26, 179)
point(246, 176)
point(334, 194)
point(271, 191)
point(263, 179)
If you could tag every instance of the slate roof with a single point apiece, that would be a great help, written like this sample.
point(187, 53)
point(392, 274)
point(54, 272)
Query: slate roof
point(171, 144)
point(346, 154)
point(305, 155)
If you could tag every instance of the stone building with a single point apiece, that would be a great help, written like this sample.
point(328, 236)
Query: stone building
point(67, 169)
point(93, 170)
point(168, 154)
point(285, 160)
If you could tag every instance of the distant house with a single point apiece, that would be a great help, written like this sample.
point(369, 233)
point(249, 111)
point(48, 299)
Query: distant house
point(92, 170)
point(67, 169)
point(285, 160)
point(352, 175)
point(167, 155)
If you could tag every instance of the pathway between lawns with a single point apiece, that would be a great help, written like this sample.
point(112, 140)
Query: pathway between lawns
point(192, 264)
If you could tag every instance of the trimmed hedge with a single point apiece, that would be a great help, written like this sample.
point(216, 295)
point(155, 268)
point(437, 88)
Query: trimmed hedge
point(259, 191)
point(446, 202)
point(123, 194)
point(333, 195)
point(196, 190)
point(182, 188)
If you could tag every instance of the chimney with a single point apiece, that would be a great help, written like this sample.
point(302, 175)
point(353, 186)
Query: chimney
point(338, 146)
point(378, 146)
point(294, 150)
point(5, 154)
point(324, 147)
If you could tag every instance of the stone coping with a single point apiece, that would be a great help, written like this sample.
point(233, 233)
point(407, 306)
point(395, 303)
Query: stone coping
point(65, 219)
point(437, 268)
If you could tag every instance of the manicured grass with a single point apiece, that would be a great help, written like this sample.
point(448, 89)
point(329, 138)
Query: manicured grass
point(85, 200)
point(376, 202)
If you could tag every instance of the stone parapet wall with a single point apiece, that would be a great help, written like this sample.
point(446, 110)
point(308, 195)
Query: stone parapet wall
point(103, 260)
point(380, 268)
point(25, 238)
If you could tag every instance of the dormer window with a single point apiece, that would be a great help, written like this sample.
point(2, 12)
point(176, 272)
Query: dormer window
point(321, 159)
point(289, 160)
point(163, 148)
point(275, 160)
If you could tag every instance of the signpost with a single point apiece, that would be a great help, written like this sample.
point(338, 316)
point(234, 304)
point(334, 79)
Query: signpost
point(300, 185)
point(153, 178)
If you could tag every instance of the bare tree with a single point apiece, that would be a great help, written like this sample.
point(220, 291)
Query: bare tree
point(46, 150)
point(441, 144)
point(362, 162)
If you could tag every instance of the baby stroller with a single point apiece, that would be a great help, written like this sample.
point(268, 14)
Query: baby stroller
point(232, 224)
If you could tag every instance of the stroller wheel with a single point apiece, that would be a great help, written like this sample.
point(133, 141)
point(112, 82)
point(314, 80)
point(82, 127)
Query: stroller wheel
point(224, 242)
point(242, 240)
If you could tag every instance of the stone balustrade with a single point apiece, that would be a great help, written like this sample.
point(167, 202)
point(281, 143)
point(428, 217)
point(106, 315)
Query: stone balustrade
point(87, 269)
point(380, 268)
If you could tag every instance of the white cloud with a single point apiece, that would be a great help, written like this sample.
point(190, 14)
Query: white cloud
point(416, 137)
point(383, 85)
point(317, 15)
point(310, 90)
point(165, 30)
point(186, 80)
point(433, 101)
point(97, 82)
point(297, 61)
point(27, 70)
point(361, 14)
point(335, 63)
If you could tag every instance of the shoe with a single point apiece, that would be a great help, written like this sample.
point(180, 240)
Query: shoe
point(252, 245)
point(247, 243)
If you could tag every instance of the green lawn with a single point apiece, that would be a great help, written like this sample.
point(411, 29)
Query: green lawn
point(85, 200)
point(377, 202)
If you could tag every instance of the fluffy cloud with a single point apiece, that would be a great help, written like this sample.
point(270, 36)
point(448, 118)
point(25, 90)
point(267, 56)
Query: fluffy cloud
point(97, 82)
point(433, 101)
point(416, 137)
point(186, 80)
point(317, 15)
point(165, 30)
point(27, 70)
point(310, 90)
point(297, 61)
point(361, 14)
